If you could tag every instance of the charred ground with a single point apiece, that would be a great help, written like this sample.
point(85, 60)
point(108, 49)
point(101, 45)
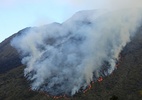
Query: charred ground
point(123, 84)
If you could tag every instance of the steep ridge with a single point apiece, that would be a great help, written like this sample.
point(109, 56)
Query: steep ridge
point(9, 57)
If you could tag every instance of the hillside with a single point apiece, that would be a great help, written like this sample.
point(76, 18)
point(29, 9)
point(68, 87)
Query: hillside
point(9, 57)
point(62, 59)
point(123, 84)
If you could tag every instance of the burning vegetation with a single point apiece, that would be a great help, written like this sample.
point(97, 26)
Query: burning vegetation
point(65, 58)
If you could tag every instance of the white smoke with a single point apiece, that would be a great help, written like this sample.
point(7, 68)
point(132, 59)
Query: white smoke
point(64, 58)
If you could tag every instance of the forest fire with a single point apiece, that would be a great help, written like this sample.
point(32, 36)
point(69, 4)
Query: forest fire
point(119, 60)
point(75, 55)
point(100, 79)
point(54, 97)
point(89, 87)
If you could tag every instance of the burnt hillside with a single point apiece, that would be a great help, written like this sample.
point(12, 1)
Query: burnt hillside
point(123, 84)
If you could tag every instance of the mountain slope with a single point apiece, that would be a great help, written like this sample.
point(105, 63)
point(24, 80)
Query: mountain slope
point(123, 84)
point(9, 57)
point(72, 62)
point(64, 58)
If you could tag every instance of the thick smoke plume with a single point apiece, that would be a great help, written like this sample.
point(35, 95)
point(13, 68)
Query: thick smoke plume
point(64, 58)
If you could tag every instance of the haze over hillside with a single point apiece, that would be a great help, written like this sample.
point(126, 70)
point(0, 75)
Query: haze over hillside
point(65, 58)
point(124, 83)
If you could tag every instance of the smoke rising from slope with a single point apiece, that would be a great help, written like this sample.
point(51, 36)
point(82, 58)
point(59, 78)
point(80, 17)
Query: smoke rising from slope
point(64, 58)
point(102, 4)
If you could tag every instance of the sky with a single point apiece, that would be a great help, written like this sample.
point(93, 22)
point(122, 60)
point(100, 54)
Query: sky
point(18, 14)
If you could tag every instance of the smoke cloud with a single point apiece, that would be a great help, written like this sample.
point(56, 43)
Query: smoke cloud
point(64, 58)
point(103, 4)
